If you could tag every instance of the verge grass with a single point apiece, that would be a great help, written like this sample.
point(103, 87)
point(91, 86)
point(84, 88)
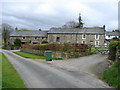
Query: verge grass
point(0, 70)
point(112, 75)
point(33, 56)
point(10, 77)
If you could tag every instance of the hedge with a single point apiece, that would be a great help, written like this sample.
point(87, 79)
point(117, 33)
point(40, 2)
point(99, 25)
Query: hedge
point(112, 49)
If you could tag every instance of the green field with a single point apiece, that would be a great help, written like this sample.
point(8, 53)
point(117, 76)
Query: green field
point(10, 77)
point(112, 75)
point(33, 56)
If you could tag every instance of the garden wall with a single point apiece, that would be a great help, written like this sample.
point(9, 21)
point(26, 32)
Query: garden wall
point(56, 54)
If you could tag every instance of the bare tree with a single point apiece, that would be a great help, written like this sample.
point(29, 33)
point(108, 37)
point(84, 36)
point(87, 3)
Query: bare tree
point(5, 36)
point(71, 24)
point(7, 27)
point(6, 30)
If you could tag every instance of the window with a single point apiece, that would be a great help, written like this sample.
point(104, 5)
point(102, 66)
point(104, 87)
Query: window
point(83, 42)
point(58, 39)
point(83, 36)
point(97, 37)
point(23, 37)
point(96, 43)
point(42, 37)
point(35, 37)
point(108, 36)
point(35, 42)
point(22, 42)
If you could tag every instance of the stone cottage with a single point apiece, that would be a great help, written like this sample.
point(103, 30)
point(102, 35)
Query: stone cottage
point(85, 35)
point(28, 36)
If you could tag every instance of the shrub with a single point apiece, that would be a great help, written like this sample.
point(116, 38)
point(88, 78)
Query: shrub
point(17, 42)
point(112, 49)
point(43, 42)
point(66, 47)
point(115, 39)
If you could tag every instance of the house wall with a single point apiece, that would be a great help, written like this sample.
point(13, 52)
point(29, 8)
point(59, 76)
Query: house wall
point(76, 38)
point(28, 39)
point(110, 37)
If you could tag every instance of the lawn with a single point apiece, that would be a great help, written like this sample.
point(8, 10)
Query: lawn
point(33, 56)
point(29, 55)
point(98, 49)
point(112, 75)
point(10, 77)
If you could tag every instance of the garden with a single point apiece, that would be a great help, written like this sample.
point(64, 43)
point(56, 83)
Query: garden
point(66, 50)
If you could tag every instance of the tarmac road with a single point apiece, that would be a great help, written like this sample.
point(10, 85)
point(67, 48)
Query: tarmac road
point(42, 74)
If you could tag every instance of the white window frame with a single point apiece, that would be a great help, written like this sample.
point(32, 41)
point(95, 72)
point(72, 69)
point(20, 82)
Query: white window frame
point(83, 36)
point(83, 41)
point(96, 44)
point(97, 38)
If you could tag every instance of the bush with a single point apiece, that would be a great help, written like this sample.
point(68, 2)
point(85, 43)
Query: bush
point(17, 42)
point(66, 47)
point(44, 42)
point(115, 39)
point(112, 49)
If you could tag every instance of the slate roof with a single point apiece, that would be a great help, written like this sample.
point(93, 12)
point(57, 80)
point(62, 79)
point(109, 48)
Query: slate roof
point(91, 30)
point(31, 33)
point(113, 33)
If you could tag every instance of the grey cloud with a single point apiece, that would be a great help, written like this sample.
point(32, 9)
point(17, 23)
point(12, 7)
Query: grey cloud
point(26, 17)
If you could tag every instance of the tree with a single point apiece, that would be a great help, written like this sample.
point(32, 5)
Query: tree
point(7, 27)
point(5, 36)
point(115, 39)
point(71, 24)
point(6, 30)
point(17, 42)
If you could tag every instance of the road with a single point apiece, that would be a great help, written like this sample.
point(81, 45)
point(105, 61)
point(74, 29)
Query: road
point(38, 73)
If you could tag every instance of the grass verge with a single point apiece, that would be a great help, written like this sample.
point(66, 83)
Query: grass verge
point(112, 75)
point(0, 70)
point(29, 55)
point(11, 78)
point(33, 56)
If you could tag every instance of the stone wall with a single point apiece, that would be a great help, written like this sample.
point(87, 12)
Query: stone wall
point(56, 54)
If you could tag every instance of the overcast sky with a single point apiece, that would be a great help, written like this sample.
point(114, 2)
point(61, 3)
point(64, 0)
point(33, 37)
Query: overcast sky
point(44, 14)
